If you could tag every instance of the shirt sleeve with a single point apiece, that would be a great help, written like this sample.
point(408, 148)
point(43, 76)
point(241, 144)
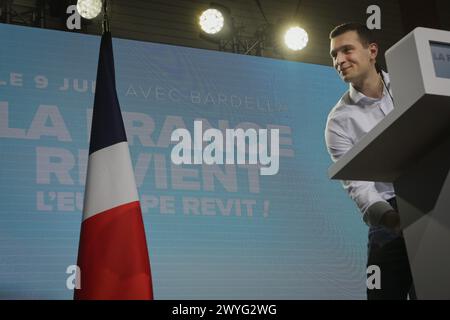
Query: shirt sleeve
point(366, 197)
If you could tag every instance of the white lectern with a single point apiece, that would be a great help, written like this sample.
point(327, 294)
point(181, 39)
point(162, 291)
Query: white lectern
point(411, 148)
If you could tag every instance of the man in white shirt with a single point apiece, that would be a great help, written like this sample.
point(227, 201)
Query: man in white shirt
point(368, 100)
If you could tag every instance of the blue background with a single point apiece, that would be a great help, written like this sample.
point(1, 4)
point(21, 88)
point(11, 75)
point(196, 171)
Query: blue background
point(312, 243)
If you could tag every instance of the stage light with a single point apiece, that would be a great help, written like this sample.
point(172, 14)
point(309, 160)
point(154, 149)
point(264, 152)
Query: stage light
point(89, 9)
point(211, 21)
point(296, 38)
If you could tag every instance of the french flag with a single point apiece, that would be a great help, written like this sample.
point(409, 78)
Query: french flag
point(113, 258)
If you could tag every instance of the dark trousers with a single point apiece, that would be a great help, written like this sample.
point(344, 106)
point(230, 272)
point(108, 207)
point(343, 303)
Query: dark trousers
point(395, 274)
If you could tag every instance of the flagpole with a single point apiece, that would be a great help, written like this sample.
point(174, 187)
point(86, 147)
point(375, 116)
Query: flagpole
point(105, 18)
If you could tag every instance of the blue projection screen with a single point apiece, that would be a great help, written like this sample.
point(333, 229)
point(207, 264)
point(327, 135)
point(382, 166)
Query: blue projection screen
point(214, 232)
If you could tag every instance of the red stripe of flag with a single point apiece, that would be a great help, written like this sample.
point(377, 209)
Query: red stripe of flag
point(113, 255)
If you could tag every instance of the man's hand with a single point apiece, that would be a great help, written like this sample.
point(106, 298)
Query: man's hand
point(391, 220)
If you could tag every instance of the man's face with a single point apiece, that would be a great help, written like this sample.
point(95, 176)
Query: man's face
point(350, 58)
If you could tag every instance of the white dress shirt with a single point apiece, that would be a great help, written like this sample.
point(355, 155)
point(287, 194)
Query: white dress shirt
point(353, 116)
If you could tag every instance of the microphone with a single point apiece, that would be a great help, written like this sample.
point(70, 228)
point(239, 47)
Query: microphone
point(379, 70)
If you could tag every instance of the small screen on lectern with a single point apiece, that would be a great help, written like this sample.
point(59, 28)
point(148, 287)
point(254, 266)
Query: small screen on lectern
point(441, 59)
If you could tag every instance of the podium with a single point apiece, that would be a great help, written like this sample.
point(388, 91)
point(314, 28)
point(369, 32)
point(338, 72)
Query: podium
point(410, 147)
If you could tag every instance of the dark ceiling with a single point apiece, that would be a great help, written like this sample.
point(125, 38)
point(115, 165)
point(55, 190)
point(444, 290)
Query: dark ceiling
point(175, 21)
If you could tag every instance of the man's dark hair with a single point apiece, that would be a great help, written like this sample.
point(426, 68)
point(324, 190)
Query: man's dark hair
point(366, 36)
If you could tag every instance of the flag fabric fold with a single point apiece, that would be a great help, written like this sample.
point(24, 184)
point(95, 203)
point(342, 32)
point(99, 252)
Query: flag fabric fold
point(112, 256)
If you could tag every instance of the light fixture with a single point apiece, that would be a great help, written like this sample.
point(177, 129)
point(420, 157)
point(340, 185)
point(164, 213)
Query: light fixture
point(216, 24)
point(211, 21)
point(283, 37)
point(296, 38)
point(89, 9)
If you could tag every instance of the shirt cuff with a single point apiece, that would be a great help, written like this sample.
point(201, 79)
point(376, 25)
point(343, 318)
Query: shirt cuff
point(374, 213)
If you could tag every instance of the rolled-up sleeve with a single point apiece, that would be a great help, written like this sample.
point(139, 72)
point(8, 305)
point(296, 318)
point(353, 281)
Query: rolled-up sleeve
point(366, 197)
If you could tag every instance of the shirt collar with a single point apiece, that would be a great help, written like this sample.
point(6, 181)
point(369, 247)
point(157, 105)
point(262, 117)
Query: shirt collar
point(357, 96)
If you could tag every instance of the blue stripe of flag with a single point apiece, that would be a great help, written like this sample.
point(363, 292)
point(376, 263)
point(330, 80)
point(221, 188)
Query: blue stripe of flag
point(107, 124)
